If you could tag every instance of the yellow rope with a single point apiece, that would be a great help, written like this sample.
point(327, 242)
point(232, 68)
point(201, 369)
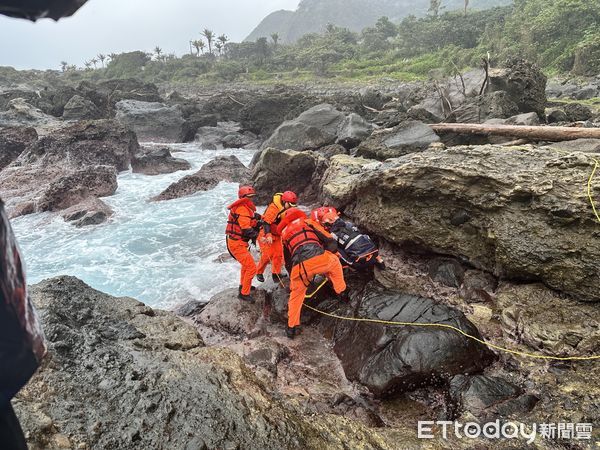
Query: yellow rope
point(458, 330)
point(589, 188)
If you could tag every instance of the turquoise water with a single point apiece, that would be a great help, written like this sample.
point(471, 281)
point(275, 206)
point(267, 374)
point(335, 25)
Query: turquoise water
point(160, 253)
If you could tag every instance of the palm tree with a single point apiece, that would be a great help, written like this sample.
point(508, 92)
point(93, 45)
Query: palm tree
point(210, 36)
point(223, 39)
point(434, 7)
point(94, 61)
point(198, 45)
point(158, 51)
point(88, 65)
point(219, 46)
point(102, 58)
point(64, 65)
point(466, 6)
point(275, 37)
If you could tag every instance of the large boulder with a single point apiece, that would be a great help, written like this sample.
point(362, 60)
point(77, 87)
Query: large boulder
point(353, 130)
point(408, 137)
point(223, 168)
point(20, 113)
point(78, 186)
point(57, 165)
point(287, 170)
point(225, 135)
point(106, 94)
point(576, 112)
point(13, 141)
point(146, 380)
point(152, 121)
point(79, 108)
point(517, 212)
point(92, 211)
point(391, 359)
point(524, 83)
point(339, 183)
point(157, 161)
point(312, 129)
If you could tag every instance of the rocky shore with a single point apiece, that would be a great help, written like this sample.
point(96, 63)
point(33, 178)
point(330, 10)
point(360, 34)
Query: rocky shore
point(496, 239)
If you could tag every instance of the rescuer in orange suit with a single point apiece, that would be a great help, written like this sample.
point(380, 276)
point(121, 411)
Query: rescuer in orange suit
point(242, 227)
point(308, 249)
point(269, 240)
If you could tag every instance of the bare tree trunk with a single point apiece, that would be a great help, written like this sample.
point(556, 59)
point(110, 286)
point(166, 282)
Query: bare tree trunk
point(534, 133)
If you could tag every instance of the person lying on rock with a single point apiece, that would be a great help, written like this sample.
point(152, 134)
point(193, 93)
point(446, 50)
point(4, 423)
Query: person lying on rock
point(22, 345)
point(242, 228)
point(269, 240)
point(309, 251)
point(355, 249)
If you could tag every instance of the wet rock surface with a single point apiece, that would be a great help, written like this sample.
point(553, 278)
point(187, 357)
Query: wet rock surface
point(67, 166)
point(151, 121)
point(156, 161)
point(515, 212)
point(90, 212)
point(79, 108)
point(13, 141)
point(409, 137)
point(392, 360)
point(132, 361)
point(223, 168)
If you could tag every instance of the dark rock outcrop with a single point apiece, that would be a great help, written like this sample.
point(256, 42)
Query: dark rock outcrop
point(106, 94)
point(92, 211)
point(153, 384)
point(157, 161)
point(79, 108)
point(279, 171)
point(524, 212)
point(390, 360)
point(152, 121)
point(13, 141)
point(53, 171)
point(490, 397)
point(317, 127)
point(20, 113)
point(576, 112)
point(409, 137)
point(223, 168)
point(226, 135)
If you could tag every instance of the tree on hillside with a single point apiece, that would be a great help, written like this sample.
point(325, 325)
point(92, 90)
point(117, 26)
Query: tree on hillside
point(219, 47)
point(223, 39)
point(199, 46)
point(466, 6)
point(94, 61)
point(434, 7)
point(210, 37)
point(88, 65)
point(157, 51)
point(275, 38)
point(63, 66)
point(102, 58)
point(262, 50)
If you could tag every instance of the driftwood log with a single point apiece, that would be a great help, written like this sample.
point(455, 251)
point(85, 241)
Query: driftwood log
point(532, 133)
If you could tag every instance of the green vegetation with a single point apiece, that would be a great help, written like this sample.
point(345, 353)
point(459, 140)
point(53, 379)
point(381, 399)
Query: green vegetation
point(560, 35)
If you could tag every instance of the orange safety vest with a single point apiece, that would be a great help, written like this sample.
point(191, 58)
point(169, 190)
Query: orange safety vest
point(297, 234)
point(234, 230)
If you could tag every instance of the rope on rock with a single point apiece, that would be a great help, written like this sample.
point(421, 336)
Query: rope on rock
point(458, 330)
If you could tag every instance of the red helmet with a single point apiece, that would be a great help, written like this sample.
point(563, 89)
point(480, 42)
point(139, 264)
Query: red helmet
point(330, 217)
point(289, 197)
point(319, 213)
point(246, 191)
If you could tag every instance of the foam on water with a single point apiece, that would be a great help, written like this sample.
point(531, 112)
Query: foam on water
point(161, 253)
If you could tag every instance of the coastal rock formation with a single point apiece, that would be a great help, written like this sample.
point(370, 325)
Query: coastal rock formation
point(390, 360)
point(92, 211)
point(317, 127)
point(79, 108)
point(154, 384)
point(13, 141)
point(516, 212)
point(76, 162)
point(151, 161)
point(225, 135)
point(151, 121)
point(21, 113)
point(279, 171)
point(223, 168)
point(409, 137)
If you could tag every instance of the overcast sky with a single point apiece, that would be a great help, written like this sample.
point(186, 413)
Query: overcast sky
point(114, 26)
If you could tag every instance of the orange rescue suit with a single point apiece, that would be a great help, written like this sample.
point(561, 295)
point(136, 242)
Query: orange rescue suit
point(240, 225)
point(271, 253)
point(304, 241)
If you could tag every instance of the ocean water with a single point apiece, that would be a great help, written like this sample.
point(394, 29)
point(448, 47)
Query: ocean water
point(160, 253)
